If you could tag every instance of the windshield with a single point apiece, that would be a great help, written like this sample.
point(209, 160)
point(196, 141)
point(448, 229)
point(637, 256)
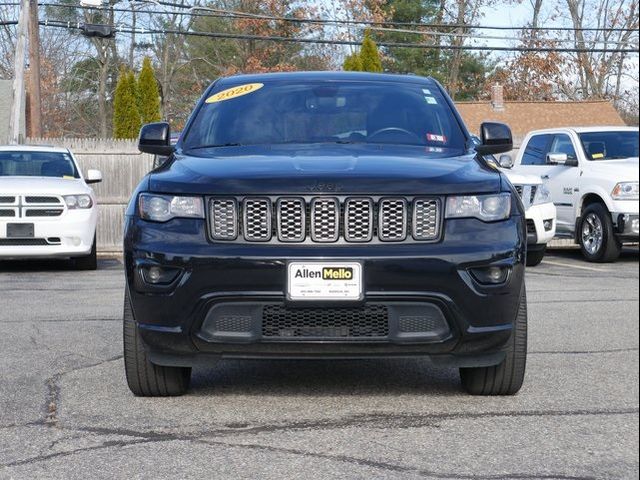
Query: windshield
point(326, 112)
point(610, 145)
point(37, 164)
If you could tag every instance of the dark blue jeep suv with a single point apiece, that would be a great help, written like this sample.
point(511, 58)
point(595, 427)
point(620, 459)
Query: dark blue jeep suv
point(325, 215)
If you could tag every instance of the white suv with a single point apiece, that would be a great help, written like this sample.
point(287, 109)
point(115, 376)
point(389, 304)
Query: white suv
point(592, 173)
point(540, 212)
point(47, 208)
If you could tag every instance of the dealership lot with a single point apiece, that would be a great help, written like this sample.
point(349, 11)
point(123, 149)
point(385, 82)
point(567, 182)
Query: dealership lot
point(65, 410)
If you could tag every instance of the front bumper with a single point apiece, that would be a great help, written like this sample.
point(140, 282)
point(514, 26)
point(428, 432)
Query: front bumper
point(68, 235)
point(177, 321)
point(626, 226)
point(537, 215)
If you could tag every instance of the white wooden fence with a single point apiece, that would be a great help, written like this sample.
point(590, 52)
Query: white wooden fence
point(122, 167)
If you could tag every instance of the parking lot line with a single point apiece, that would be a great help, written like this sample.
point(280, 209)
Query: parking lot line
point(579, 267)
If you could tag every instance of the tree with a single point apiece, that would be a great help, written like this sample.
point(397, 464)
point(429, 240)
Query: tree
point(148, 96)
point(352, 63)
point(369, 55)
point(366, 60)
point(126, 118)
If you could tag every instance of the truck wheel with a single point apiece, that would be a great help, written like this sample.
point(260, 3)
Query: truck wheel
point(144, 378)
point(89, 262)
point(507, 377)
point(534, 257)
point(597, 240)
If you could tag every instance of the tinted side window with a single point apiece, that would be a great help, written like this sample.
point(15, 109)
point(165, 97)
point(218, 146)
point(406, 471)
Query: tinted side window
point(535, 152)
point(562, 144)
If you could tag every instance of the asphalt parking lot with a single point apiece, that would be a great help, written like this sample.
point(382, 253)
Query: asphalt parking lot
point(66, 413)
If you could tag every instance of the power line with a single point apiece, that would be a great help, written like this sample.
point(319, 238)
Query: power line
point(323, 41)
point(221, 13)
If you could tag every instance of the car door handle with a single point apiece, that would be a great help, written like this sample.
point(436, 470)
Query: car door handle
point(545, 177)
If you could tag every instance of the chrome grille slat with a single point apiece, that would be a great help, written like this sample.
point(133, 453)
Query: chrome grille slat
point(256, 218)
point(224, 219)
point(426, 219)
point(358, 220)
point(392, 222)
point(291, 213)
point(325, 220)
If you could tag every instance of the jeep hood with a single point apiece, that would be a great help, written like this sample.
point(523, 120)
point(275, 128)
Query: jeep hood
point(308, 169)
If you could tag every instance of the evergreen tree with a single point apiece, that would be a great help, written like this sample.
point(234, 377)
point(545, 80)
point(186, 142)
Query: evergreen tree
point(352, 63)
point(126, 118)
point(148, 95)
point(369, 55)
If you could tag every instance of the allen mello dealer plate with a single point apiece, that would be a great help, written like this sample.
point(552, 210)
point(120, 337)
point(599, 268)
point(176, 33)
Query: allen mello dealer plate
point(324, 281)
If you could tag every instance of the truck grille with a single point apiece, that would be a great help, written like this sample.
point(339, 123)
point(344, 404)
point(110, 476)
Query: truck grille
point(29, 206)
point(339, 322)
point(325, 219)
point(527, 193)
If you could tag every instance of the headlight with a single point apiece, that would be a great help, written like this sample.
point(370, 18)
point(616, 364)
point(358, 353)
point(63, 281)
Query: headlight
point(625, 191)
point(78, 201)
point(488, 208)
point(162, 208)
point(543, 195)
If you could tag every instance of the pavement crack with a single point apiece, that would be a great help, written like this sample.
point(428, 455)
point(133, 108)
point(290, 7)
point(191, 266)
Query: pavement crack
point(390, 467)
point(583, 352)
point(52, 398)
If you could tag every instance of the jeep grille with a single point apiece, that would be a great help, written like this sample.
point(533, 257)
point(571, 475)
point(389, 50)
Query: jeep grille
point(325, 219)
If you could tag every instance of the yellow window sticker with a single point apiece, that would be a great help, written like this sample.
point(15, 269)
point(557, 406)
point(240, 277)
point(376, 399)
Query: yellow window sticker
point(68, 177)
point(597, 155)
point(234, 92)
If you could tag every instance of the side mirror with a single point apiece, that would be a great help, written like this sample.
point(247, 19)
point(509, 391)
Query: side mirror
point(93, 176)
point(496, 138)
point(155, 138)
point(505, 161)
point(561, 159)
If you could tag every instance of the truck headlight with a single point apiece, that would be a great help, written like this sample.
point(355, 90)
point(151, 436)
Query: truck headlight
point(625, 191)
point(543, 195)
point(162, 208)
point(78, 201)
point(488, 208)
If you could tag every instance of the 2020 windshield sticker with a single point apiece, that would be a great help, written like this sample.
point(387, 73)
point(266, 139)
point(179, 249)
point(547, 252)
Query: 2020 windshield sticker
point(432, 137)
point(234, 92)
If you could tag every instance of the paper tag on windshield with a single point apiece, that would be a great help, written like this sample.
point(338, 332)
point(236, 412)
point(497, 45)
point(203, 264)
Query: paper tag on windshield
point(432, 137)
point(431, 100)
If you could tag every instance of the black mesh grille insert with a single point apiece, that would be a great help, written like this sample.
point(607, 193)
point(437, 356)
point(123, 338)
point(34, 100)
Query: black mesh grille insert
point(22, 242)
point(531, 226)
point(369, 321)
point(7, 213)
point(40, 199)
point(4, 199)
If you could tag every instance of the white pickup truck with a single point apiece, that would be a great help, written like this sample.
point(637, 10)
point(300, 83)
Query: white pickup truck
point(592, 174)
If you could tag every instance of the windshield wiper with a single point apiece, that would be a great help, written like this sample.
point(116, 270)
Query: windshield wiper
point(218, 145)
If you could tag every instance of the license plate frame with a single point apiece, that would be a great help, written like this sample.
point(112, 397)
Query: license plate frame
point(20, 230)
point(308, 281)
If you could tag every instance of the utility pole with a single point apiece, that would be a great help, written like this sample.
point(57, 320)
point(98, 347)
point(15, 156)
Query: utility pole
point(35, 103)
point(17, 106)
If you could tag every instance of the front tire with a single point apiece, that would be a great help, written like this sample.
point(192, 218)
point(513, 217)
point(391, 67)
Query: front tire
point(534, 257)
point(89, 262)
point(595, 234)
point(143, 377)
point(507, 377)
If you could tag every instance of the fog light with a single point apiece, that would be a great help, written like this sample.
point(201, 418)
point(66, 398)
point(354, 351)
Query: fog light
point(157, 275)
point(548, 225)
point(76, 241)
point(490, 275)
